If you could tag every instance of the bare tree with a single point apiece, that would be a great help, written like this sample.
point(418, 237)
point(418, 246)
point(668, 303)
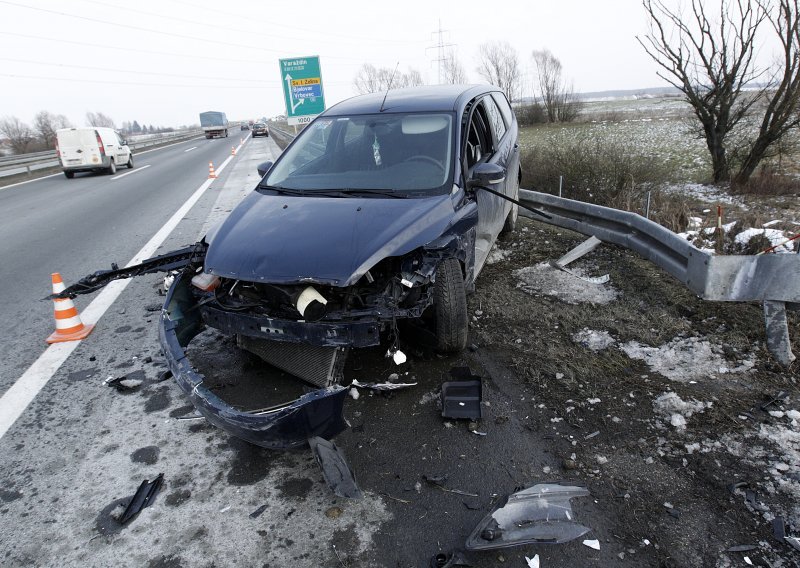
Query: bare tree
point(498, 64)
point(453, 72)
point(18, 133)
point(100, 119)
point(712, 64)
point(558, 98)
point(371, 79)
point(46, 124)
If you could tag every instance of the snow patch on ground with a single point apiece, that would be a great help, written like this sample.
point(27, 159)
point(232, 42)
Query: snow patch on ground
point(705, 192)
point(593, 340)
point(775, 236)
point(544, 279)
point(497, 255)
point(685, 359)
point(671, 407)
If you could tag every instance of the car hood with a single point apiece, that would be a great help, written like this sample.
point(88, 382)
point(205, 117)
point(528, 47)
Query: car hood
point(326, 240)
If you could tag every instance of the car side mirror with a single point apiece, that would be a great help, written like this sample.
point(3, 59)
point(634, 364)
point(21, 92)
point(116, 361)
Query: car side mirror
point(263, 168)
point(486, 174)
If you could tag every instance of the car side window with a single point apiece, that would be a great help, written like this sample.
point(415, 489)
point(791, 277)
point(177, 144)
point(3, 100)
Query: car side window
point(495, 118)
point(505, 108)
point(479, 138)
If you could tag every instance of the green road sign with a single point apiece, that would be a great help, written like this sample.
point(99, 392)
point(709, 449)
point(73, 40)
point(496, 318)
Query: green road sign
point(302, 88)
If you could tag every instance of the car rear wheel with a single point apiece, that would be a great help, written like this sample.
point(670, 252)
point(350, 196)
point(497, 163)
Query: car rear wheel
point(112, 169)
point(130, 162)
point(450, 307)
point(69, 175)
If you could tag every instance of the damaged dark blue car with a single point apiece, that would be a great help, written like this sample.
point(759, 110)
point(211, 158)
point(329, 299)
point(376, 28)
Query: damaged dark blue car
point(384, 208)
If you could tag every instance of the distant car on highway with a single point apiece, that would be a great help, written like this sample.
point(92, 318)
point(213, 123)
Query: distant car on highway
point(91, 149)
point(245, 127)
point(260, 129)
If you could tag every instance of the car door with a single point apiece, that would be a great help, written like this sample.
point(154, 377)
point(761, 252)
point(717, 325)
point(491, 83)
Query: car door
point(478, 148)
point(505, 132)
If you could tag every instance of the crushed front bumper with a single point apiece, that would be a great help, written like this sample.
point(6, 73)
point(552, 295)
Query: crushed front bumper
point(317, 413)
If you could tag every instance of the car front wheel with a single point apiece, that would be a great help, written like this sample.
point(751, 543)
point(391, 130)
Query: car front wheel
point(450, 307)
point(69, 175)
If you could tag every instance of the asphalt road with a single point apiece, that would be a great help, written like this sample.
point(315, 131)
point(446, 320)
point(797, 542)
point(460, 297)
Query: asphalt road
point(77, 226)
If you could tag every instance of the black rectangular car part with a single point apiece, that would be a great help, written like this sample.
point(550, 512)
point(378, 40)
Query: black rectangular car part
point(345, 334)
point(462, 399)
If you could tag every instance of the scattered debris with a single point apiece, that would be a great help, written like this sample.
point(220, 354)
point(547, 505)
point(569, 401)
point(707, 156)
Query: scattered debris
point(380, 386)
point(462, 398)
point(335, 470)
point(455, 558)
point(438, 481)
point(538, 514)
point(533, 562)
point(257, 513)
point(595, 544)
point(743, 548)
point(123, 384)
point(143, 497)
point(334, 512)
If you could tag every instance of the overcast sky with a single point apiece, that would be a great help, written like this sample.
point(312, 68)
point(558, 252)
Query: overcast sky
point(163, 62)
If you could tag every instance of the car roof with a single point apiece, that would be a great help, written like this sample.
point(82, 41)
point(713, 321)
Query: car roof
point(412, 99)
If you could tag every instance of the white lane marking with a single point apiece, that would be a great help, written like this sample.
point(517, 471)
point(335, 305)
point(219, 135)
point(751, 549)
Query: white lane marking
point(190, 149)
point(62, 173)
point(30, 181)
point(17, 398)
point(132, 171)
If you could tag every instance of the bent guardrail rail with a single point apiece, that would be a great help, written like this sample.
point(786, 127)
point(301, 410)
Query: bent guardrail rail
point(773, 279)
point(27, 163)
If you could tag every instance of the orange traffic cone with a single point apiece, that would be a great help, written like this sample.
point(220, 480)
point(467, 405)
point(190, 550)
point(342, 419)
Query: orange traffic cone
point(233, 150)
point(211, 173)
point(69, 326)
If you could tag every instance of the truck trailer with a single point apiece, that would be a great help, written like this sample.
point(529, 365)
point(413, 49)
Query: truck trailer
point(214, 123)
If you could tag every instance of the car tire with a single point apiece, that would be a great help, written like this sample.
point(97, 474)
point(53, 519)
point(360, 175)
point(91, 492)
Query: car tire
point(513, 215)
point(130, 162)
point(112, 168)
point(450, 307)
point(69, 175)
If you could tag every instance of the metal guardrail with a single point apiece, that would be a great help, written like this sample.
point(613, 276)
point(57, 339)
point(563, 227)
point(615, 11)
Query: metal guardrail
point(773, 279)
point(27, 163)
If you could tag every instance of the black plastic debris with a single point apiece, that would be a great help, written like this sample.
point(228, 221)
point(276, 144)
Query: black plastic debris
point(779, 528)
point(455, 558)
point(462, 398)
point(335, 470)
point(257, 513)
point(143, 497)
point(382, 386)
point(439, 482)
point(537, 515)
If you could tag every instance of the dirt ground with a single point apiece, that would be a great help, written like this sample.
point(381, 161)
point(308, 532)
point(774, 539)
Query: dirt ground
point(655, 399)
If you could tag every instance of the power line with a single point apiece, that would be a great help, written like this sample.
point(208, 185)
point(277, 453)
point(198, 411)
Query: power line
point(139, 28)
point(117, 70)
point(440, 46)
point(137, 84)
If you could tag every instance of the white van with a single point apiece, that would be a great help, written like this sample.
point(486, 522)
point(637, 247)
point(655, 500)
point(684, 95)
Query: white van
point(91, 149)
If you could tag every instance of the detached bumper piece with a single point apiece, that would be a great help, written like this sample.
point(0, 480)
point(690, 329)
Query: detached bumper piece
point(290, 425)
point(537, 515)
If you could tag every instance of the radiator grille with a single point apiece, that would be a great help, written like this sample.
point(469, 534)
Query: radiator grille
point(318, 365)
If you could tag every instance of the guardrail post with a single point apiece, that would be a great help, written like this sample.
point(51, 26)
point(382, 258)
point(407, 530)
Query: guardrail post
point(28, 169)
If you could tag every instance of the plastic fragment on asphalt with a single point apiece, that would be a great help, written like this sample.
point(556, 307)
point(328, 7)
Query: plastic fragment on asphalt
point(748, 561)
point(143, 497)
point(257, 513)
point(595, 544)
point(354, 393)
point(533, 562)
point(381, 386)
point(792, 541)
point(335, 469)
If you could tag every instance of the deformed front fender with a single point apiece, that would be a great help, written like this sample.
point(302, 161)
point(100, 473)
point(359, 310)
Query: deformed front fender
point(318, 413)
